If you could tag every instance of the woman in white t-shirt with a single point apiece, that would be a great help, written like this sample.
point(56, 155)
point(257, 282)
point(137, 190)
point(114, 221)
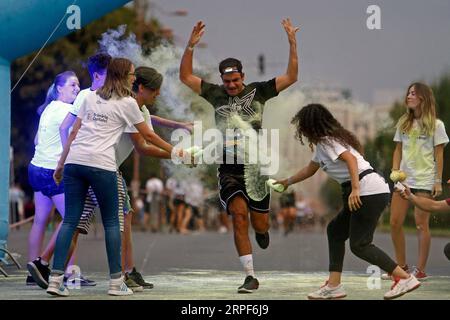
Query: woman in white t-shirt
point(48, 149)
point(365, 195)
point(89, 159)
point(419, 152)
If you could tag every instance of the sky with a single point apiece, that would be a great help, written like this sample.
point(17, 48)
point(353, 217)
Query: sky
point(336, 49)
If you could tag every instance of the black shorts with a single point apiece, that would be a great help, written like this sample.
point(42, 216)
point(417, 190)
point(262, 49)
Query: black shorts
point(287, 200)
point(414, 191)
point(178, 201)
point(147, 207)
point(195, 211)
point(231, 183)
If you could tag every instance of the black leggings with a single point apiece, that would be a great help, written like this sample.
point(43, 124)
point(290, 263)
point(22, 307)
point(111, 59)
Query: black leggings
point(359, 226)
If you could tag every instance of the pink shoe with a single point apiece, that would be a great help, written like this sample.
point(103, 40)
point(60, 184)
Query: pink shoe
point(420, 275)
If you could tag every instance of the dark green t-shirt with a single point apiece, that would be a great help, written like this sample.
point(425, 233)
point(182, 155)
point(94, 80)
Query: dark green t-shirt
point(248, 105)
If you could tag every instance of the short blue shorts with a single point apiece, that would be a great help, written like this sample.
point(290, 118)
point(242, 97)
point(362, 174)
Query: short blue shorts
point(41, 180)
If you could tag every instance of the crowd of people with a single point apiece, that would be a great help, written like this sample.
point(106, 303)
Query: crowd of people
point(179, 206)
point(84, 137)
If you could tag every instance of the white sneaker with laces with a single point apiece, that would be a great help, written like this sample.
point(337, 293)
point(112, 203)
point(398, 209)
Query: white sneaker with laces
point(402, 286)
point(56, 286)
point(327, 292)
point(117, 287)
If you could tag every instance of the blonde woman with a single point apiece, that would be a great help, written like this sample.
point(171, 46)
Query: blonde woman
point(420, 140)
point(48, 149)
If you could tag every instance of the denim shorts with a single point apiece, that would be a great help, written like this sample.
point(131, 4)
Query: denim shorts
point(41, 180)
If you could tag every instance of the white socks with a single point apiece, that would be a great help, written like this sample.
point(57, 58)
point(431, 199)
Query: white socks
point(247, 263)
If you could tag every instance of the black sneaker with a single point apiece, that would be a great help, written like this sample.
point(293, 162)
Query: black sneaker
point(137, 277)
point(262, 239)
point(84, 282)
point(250, 285)
point(30, 281)
point(39, 272)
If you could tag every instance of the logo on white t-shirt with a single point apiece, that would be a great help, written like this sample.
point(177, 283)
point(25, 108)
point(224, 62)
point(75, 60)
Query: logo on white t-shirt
point(100, 117)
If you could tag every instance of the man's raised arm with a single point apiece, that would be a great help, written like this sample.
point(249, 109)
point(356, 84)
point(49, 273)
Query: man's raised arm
point(186, 70)
point(284, 81)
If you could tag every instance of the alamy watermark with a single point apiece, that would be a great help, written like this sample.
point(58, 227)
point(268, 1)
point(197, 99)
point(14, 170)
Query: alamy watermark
point(373, 22)
point(73, 21)
point(374, 280)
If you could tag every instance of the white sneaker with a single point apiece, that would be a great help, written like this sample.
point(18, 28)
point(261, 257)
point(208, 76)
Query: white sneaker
point(117, 287)
point(326, 292)
point(402, 286)
point(56, 286)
